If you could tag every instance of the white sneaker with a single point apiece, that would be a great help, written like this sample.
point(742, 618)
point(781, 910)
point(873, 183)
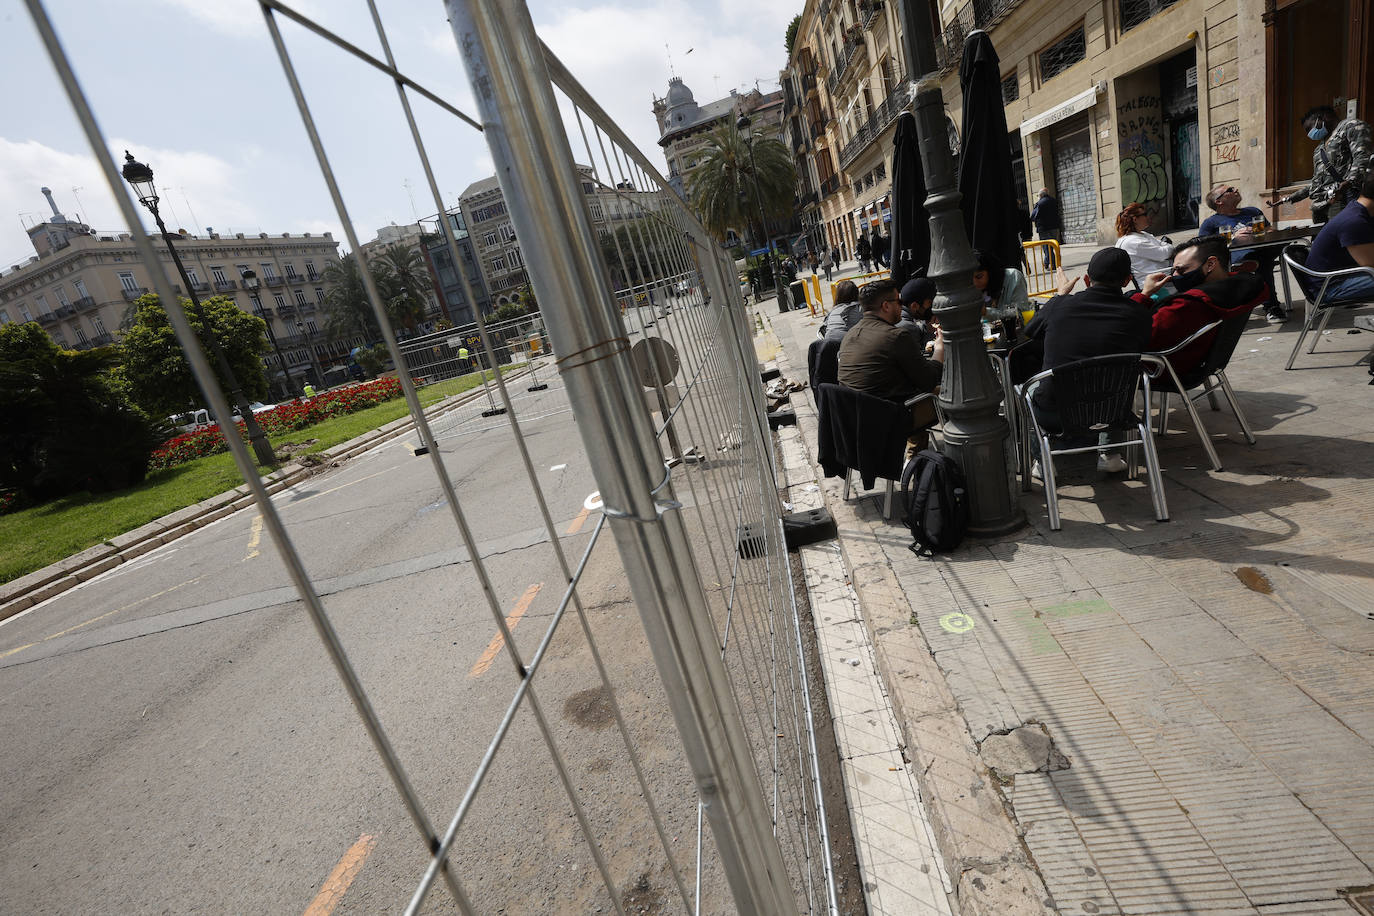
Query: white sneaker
point(1110, 462)
point(1035, 470)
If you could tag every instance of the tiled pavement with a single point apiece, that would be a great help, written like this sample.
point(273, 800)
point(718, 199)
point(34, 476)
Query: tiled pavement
point(1208, 679)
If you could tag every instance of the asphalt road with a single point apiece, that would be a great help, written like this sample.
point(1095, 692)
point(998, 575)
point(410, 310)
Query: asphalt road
point(176, 739)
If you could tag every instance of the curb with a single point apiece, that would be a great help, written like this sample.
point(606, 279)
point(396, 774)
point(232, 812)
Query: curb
point(20, 594)
point(983, 851)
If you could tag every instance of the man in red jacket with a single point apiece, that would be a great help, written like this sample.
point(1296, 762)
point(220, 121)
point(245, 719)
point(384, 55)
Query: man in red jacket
point(1199, 290)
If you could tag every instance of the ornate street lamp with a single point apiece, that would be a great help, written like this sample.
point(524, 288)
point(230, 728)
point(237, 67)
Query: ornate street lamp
point(743, 126)
point(251, 283)
point(140, 178)
point(974, 433)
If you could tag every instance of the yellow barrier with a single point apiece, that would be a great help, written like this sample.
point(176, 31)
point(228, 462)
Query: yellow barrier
point(860, 280)
point(1041, 283)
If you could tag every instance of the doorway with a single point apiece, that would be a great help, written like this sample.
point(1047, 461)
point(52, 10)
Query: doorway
point(1073, 180)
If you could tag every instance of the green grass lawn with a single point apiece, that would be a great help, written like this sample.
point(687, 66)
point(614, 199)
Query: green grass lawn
point(41, 535)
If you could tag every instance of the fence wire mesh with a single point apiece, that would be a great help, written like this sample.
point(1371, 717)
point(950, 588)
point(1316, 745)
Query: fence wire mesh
point(543, 773)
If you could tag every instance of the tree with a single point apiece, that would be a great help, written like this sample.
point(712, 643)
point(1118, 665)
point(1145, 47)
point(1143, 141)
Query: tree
point(402, 280)
point(348, 313)
point(724, 192)
point(637, 251)
point(155, 368)
point(791, 38)
point(68, 424)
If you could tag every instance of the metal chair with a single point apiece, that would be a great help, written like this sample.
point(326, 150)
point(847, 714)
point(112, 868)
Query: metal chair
point(1090, 397)
point(865, 433)
point(1295, 256)
point(1210, 374)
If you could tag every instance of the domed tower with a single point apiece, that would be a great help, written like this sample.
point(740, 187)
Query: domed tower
point(682, 108)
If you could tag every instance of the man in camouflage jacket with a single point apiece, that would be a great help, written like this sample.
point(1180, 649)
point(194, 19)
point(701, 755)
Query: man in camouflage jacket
point(1339, 163)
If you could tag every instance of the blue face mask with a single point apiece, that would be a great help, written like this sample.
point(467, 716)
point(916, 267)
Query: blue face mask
point(1318, 133)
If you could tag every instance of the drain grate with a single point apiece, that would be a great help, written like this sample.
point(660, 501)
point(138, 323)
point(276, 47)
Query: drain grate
point(1361, 898)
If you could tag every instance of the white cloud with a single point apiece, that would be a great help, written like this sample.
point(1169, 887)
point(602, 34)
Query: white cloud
point(236, 18)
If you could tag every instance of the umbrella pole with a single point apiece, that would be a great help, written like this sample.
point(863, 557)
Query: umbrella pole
point(974, 433)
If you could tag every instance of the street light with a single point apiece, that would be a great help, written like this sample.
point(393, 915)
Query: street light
point(140, 178)
point(251, 283)
point(743, 126)
point(974, 433)
point(310, 350)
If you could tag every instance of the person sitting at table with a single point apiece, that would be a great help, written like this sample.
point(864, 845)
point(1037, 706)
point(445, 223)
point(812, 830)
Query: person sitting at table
point(1149, 254)
point(1225, 199)
point(918, 299)
point(879, 359)
point(1204, 290)
point(1099, 321)
point(1347, 240)
point(1005, 294)
point(845, 313)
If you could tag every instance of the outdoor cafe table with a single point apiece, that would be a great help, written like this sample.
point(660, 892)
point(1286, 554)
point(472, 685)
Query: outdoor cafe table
point(1276, 240)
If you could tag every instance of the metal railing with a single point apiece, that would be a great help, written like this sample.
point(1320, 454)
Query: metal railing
point(85, 302)
point(896, 102)
point(645, 344)
point(224, 286)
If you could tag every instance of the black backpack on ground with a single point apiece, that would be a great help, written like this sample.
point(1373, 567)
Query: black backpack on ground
point(936, 502)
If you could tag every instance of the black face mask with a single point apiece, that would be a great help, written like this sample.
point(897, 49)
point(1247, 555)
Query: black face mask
point(1189, 280)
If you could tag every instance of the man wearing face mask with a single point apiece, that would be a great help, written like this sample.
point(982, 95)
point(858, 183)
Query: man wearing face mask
point(918, 299)
point(1204, 290)
point(1339, 163)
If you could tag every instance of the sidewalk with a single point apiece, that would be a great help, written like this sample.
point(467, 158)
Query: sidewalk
point(1180, 714)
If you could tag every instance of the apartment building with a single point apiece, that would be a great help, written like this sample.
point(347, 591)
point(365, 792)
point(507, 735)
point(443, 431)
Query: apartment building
point(1107, 101)
point(453, 301)
point(81, 284)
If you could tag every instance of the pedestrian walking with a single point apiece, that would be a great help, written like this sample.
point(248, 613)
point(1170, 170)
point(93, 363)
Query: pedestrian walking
point(827, 264)
point(862, 252)
point(1048, 226)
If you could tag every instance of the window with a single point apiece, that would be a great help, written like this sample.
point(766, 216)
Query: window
point(240, 268)
point(127, 281)
point(300, 297)
point(62, 297)
point(597, 213)
point(98, 326)
point(43, 309)
point(507, 233)
point(4, 317)
point(489, 239)
point(257, 303)
point(319, 295)
point(496, 264)
point(269, 270)
point(24, 312)
point(290, 271)
point(310, 326)
point(1063, 54)
point(1134, 12)
point(1011, 89)
point(80, 334)
point(60, 340)
point(279, 299)
point(513, 257)
point(81, 289)
point(218, 274)
point(310, 269)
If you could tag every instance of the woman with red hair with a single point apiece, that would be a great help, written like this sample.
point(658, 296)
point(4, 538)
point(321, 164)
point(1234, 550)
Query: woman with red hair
point(1149, 255)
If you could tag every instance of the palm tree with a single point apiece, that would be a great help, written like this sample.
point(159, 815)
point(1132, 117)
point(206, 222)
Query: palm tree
point(403, 280)
point(725, 192)
point(348, 312)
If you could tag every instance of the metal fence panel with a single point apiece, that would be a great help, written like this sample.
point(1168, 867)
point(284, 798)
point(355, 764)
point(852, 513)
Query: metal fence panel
point(642, 338)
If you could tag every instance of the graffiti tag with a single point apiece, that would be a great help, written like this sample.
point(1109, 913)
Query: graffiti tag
point(1143, 178)
point(1227, 152)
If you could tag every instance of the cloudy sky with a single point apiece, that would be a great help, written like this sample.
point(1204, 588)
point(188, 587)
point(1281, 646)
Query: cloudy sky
point(195, 89)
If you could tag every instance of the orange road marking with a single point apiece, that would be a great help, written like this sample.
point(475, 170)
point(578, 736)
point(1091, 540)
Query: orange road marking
point(494, 646)
point(577, 523)
point(336, 885)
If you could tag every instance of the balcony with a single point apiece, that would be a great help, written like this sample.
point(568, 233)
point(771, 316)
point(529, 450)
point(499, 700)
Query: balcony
point(47, 318)
point(131, 294)
point(286, 311)
point(987, 13)
point(273, 281)
point(949, 44)
point(807, 199)
point(849, 51)
point(818, 130)
point(808, 82)
point(885, 114)
point(62, 311)
point(101, 340)
point(824, 10)
point(263, 313)
point(85, 302)
point(830, 186)
point(869, 11)
point(200, 286)
point(224, 286)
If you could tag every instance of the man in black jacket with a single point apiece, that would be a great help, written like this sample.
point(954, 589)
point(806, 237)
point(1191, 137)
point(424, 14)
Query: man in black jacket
point(1096, 322)
point(1045, 215)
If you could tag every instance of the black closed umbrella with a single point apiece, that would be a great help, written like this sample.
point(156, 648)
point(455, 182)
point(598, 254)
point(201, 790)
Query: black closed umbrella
point(991, 216)
point(910, 221)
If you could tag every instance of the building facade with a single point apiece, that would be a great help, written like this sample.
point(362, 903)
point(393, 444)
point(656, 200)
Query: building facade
point(453, 301)
point(684, 127)
point(1108, 102)
point(81, 285)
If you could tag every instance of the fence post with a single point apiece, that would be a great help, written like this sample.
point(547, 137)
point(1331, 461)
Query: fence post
point(524, 130)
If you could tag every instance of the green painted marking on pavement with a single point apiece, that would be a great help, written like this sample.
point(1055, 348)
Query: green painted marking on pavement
point(956, 622)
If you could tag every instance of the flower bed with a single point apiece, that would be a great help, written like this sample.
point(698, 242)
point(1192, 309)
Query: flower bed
point(280, 419)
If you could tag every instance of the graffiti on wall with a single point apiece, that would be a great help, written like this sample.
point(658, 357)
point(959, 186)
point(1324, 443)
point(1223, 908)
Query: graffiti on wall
point(1140, 143)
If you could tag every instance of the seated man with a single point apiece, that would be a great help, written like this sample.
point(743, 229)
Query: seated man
point(844, 314)
point(1346, 241)
point(1204, 290)
point(879, 359)
point(1226, 201)
point(1099, 321)
point(918, 299)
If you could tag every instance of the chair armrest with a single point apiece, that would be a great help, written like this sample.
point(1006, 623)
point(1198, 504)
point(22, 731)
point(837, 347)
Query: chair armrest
point(1191, 339)
point(918, 398)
